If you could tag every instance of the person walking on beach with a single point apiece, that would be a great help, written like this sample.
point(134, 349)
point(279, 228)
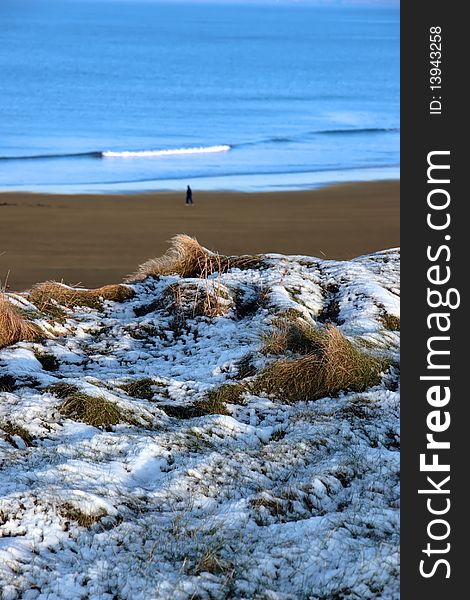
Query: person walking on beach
point(189, 195)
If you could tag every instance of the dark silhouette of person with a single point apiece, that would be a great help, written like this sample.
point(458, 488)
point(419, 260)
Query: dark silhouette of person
point(189, 195)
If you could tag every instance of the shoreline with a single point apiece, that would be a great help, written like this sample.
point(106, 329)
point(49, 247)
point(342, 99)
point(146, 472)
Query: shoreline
point(95, 239)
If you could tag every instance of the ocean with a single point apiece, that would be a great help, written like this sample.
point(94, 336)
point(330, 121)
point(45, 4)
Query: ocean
point(134, 95)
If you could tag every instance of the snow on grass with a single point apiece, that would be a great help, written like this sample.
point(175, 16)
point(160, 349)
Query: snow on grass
point(145, 466)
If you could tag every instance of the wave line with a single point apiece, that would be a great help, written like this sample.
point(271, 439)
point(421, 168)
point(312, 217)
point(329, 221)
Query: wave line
point(168, 152)
point(355, 131)
point(57, 156)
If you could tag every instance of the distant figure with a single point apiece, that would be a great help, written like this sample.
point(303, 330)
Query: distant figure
point(189, 195)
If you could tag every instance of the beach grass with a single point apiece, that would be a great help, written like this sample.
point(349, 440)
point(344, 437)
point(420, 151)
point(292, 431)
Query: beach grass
point(95, 411)
point(52, 294)
point(187, 258)
point(333, 366)
point(14, 327)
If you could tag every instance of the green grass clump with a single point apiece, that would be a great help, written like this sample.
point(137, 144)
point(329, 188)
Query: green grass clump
point(334, 366)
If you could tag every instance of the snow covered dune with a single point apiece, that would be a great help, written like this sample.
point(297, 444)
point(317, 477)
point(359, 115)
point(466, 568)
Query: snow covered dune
point(144, 456)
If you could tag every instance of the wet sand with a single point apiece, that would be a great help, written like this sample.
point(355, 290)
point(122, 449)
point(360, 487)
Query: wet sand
point(97, 239)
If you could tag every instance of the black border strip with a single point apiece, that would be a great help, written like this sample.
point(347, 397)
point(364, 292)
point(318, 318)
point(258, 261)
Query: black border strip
point(422, 133)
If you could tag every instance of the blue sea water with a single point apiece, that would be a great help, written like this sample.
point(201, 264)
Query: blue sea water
point(121, 95)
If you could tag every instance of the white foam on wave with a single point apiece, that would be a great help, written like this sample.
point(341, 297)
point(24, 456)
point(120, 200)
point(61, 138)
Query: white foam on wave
point(168, 152)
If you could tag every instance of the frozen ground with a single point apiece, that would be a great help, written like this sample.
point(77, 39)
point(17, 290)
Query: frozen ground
point(272, 501)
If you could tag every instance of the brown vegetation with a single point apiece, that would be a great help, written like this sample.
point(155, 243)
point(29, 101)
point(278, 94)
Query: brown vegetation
point(13, 327)
point(50, 293)
point(334, 365)
point(292, 334)
point(215, 403)
point(139, 388)
point(217, 398)
point(12, 429)
point(71, 513)
point(186, 299)
point(48, 361)
point(187, 258)
point(62, 390)
point(94, 411)
point(391, 322)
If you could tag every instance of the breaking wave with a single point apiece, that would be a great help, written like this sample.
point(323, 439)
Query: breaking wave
point(168, 152)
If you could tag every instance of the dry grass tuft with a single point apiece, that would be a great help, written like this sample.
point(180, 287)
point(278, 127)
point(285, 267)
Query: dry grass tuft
point(181, 411)
point(48, 361)
point(292, 334)
point(248, 302)
point(12, 429)
point(245, 261)
point(245, 367)
point(7, 383)
point(227, 393)
point(187, 258)
point(62, 390)
point(46, 296)
point(273, 505)
point(188, 300)
point(184, 257)
point(215, 403)
point(211, 562)
point(215, 297)
point(94, 411)
point(391, 322)
point(139, 388)
point(15, 328)
point(71, 513)
point(334, 366)
point(359, 408)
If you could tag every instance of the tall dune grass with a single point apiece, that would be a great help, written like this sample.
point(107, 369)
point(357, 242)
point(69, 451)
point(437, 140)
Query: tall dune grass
point(13, 327)
point(334, 365)
point(187, 258)
point(43, 295)
point(292, 334)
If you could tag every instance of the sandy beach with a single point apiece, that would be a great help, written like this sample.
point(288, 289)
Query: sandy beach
point(97, 239)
